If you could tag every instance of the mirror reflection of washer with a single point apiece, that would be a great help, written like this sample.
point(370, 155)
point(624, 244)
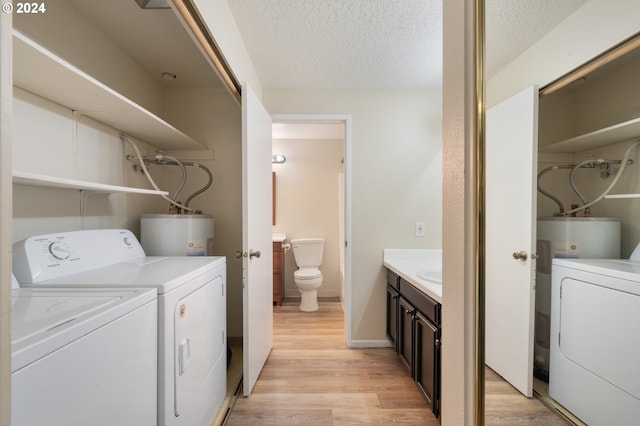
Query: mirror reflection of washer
point(595, 317)
point(73, 348)
point(191, 309)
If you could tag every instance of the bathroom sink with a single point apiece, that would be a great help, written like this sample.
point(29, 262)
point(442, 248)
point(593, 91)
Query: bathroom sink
point(431, 275)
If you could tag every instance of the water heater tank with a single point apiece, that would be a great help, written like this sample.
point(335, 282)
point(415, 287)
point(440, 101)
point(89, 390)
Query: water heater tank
point(176, 234)
point(572, 238)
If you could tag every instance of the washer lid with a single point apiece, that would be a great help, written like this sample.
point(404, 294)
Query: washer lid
point(44, 320)
point(307, 274)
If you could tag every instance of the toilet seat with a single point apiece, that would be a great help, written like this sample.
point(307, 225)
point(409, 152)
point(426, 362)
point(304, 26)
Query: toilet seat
point(307, 274)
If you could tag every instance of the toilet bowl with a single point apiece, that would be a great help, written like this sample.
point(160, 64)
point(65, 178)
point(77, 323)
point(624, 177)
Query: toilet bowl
point(307, 253)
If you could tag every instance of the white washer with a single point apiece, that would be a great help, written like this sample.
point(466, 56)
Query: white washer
point(83, 357)
point(191, 308)
point(595, 318)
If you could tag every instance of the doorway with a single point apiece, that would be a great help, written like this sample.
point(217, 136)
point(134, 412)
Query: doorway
point(333, 132)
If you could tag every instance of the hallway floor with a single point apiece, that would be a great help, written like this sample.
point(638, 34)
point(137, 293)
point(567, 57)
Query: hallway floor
point(311, 378)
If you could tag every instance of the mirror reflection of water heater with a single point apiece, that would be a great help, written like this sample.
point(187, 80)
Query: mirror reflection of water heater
point(177, 234)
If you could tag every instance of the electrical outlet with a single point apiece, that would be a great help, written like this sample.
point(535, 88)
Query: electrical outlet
point(419, 229)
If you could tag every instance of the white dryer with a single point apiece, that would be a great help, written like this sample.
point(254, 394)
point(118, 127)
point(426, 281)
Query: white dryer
point(595, 321)
point(191, 308)
point(83, 357)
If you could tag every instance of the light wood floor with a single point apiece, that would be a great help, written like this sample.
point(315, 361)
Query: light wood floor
point(311, 378)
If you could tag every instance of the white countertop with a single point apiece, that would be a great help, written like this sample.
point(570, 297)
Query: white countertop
point(279, 237)
point(422, 268)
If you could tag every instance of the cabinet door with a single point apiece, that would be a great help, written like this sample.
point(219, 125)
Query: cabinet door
point(426, 365)
point(405, 333)
point(392, 316)
point(278, 269)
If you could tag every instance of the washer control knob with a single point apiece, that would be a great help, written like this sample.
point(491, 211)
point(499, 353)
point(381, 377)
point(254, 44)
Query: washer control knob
point(59, 250)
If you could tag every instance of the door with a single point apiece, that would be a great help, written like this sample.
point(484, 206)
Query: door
point(405, 333)
point(392, 316)
point(257, 281)
point(511, 164)
point(426, 360)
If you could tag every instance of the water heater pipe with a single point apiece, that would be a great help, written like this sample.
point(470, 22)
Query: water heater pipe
point(548, 194)
point(623, 164)
point(124, 138)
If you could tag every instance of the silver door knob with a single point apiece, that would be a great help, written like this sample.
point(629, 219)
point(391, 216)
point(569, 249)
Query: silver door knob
point(253, 254)
point(520, 255)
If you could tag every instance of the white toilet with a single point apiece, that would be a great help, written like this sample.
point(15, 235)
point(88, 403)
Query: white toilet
point(308, 255)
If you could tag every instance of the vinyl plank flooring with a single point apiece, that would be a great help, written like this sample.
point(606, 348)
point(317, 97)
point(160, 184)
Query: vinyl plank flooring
point(312, 378)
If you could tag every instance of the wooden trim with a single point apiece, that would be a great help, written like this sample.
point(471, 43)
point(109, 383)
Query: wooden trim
point(610, 55)
point(479, 212)
point(192, 19)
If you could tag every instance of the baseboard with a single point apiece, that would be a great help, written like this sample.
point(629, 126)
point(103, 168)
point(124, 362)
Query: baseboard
point(361, 344)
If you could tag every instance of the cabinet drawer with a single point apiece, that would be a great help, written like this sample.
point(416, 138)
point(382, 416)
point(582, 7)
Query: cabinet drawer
point(393, 279)
point(277, 246)
point(423, 303)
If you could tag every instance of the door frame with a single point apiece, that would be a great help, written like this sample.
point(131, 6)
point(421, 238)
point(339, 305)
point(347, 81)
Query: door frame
point(346, 119)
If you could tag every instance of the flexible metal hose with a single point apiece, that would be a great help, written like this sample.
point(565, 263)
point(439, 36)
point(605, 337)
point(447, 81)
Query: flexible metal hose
point(548, 194)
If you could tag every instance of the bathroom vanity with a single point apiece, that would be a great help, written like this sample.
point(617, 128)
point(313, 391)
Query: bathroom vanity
point(278, 268)
point(414, 307)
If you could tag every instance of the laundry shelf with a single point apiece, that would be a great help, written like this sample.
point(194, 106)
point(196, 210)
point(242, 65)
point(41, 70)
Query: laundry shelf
point(33, 179)
point(621, 196)
point(609, 135)
point(43, 73)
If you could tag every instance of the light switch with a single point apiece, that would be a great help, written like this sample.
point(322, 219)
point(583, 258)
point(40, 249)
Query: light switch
point(419, 229)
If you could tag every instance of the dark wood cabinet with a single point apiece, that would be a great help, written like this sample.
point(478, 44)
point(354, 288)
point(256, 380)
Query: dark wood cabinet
point(427, 360)
point(393, 282)
point(278, 273)
point(415, 323)
point(405, 334)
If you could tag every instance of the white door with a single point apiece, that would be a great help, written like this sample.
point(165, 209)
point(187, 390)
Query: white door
point(511, 164)
point(257, 293)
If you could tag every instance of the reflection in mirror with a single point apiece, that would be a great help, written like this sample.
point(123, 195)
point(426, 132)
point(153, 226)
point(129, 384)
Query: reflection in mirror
point(597, 99)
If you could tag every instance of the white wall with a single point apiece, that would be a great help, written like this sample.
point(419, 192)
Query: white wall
point(222, 26)
point(45, 143)
point(396, 181)
point(307, 204)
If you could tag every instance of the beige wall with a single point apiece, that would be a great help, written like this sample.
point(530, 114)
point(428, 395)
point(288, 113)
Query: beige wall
point(591, 30)
point(458, 222)
point(307, 203)
point(216, 119)
point(395, 177)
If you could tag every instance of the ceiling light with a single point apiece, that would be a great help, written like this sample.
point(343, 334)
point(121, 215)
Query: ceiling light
point(278, 159)
point(153, 4)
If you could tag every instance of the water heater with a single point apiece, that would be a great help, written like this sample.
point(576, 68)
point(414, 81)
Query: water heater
point(176, 234)
point(566, 237)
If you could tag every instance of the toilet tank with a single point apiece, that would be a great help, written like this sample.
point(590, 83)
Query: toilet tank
point(308, 251)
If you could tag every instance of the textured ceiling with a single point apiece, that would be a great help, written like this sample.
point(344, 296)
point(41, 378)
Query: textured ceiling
point(376, 44)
